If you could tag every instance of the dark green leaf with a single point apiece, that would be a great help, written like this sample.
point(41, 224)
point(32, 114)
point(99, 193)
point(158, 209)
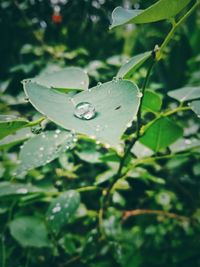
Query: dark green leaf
point(161, 133)
point(62, 209)
point(10, 124)
point(29, 232)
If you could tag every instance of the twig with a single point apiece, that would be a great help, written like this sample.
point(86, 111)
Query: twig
point(137, 212)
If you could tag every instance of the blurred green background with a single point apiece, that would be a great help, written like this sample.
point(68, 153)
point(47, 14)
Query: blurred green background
point(37, 35)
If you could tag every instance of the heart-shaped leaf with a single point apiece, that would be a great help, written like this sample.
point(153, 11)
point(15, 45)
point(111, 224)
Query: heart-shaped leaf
point(163, 9)
point(62, 209)
point(70, 78)
point(29, 232)
point(132, 64)
point(115, 105)
point(195, 106)
point(161, 133)
point(10, 124)
point(185, 93)
point(42, 149)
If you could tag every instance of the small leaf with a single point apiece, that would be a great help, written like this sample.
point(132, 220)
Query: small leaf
point(152, 101)
point(185, 93)
point(132, 64)
point(161, 133)
point(10, 124)
point(12, 189)
point(62, 209)
point(113, 105)
point(195, 106)
point(43, 148)
point(29, 232)
point(185, 144)
point(161, 10)
point(16, 138)
point(70, 78)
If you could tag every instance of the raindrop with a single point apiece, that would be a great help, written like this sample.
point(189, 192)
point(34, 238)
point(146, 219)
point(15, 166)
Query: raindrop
point(115, 79)
point(129, 124)
point(139, 94)
point(36, 130)
point(41, 148)
point(56, 209)
point(85, 111)
point(58, 131)
point(82, 82)
point(26, 99)
point(99, 84)
point(55, 136)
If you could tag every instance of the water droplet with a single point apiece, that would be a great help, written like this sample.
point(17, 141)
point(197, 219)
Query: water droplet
point(107, 146)
point(55, 136)
point(41, 148)
point(85, 111)
point(115, 79)
point(82, 82)
point(98, 128)
point(36, 130)
point(26, 99)
point(129, 124)
point(99, 84)
point(139, 94)
point(58, 131)
point(98, 142)
point(56, 209)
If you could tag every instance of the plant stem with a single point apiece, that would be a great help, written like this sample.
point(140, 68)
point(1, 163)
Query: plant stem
point(137, 212)
point(158, 56)
point(3, 252)
point(36, 122)
point(174, 28)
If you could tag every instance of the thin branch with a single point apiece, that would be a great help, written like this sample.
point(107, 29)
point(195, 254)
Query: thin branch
point(171, 215)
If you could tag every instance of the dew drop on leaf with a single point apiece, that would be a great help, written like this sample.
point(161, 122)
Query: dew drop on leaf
point(84, 111)
point(139, 94)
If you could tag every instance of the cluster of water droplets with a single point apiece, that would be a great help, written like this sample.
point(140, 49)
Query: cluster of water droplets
point(44, 148)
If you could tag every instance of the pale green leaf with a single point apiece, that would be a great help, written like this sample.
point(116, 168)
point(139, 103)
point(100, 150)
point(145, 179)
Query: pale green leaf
point(132, 64)
point(185, 144)
point(185, 93)
point(69, 78)
point(161, 10)
point(43, 148)
point(195, 106)
point(116, 104)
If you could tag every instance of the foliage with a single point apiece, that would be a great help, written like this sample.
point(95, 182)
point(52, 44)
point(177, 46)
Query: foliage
point(99, 145)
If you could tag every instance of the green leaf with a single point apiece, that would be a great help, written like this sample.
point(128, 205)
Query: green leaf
point(161, 10)
point(62, 209)
point(195, 106)
point(10, 124)
point(152, 101)
point(29, 232)
point(116, 104)
point(132, 64)
point(15, 189)
point(185, 93)
point(70, 78)
point(185, 144)
point(43, 148)
point(16, 138)
point(161, 133)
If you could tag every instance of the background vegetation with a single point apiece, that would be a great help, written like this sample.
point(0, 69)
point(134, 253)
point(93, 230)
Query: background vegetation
point(153, 215)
